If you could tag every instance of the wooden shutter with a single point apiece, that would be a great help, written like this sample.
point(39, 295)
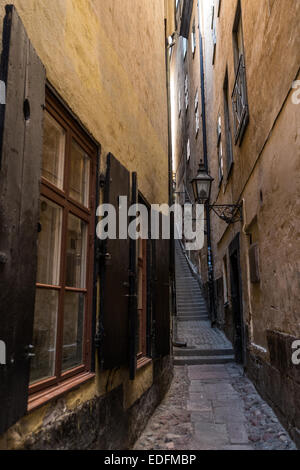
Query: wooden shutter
point(149, 344)
point(114, 347)
point(161, 293)
point(254, 264)
point(21, 140)
point(133, 307)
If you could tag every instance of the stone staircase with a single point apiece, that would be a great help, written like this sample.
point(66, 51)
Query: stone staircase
point(205, 345)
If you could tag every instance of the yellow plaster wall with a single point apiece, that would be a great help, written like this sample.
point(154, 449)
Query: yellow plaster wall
point(267, 160)
point(107, 60)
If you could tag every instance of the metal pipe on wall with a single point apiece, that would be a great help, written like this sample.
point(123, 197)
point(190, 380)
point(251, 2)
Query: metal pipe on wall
point(210, 262)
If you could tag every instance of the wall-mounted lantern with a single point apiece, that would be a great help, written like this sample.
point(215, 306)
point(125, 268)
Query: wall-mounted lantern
point(202, 184)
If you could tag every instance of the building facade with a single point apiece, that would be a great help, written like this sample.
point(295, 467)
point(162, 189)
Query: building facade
point(188, 107)
point(251, 121)
point(85, 323)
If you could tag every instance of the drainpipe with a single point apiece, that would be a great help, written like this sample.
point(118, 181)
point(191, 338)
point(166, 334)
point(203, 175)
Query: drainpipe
point(170, 172)
point(210, 262)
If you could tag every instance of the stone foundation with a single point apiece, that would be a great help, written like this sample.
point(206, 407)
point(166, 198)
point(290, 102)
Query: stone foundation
point(102, 423)
point(279, 381)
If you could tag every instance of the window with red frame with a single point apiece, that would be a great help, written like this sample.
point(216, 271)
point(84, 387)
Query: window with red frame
point(64, 289)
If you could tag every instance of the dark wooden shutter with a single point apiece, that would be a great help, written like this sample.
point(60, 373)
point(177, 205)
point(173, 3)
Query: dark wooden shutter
point(133, 307)
point(21, 140)
point(149, 296)
point(161, 293)
point(254, 264)
point(114, 347)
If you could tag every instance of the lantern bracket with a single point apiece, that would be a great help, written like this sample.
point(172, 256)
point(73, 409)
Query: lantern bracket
point(229, 213)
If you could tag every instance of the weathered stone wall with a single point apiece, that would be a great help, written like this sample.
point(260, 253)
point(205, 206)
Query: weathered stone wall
point(278, 381)
point(102, 423)
point(265, 177)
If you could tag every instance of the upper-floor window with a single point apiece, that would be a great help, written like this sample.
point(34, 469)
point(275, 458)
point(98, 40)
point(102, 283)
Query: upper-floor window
point(220, 149)
point(197, 117)
point(225, 280)
point(214, 32)
point(228, 134)
point(184, 47)
point(218, 7)
point(238, 41)
point(64, 289)
point(186, 92)
point(193, 38)
point(239, 95)
point(188, 150)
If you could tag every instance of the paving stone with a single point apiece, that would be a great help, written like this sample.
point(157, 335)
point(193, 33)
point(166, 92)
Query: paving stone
point(229, 413)
point(202, 417)
point(219, 389)
point(210, 407)
point(197, 396)
point(210, 435)
point(196, 386)
point(237, 433)
point(202, 373)
point(238, 447)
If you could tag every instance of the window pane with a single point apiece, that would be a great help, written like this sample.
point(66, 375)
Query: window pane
point(54, 151)
point(49, 243)
point(79, 174)
point(76, 252)
point(44, 334)
point(73, 330)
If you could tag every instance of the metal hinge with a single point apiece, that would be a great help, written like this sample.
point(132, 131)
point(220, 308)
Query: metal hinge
point(29, 354)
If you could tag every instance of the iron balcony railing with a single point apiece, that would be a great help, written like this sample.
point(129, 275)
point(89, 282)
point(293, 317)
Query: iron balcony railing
point(240, 102)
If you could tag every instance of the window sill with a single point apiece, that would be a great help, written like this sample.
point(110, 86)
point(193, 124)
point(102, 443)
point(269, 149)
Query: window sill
point(41, 398)
point(142, 362)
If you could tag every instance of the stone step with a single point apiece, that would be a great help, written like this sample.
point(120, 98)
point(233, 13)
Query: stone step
point(190, 296)
point(187, 288)
point(192, 318)
point(192, 313)
point(190, 304)
point(185, 304)
point(179, 352)
point(198, 360)
point(191, 307)
point(191, 299)
point(189, 281)
point(195, 309)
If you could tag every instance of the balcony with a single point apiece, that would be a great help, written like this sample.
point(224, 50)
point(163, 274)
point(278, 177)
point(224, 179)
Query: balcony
point(240, 102)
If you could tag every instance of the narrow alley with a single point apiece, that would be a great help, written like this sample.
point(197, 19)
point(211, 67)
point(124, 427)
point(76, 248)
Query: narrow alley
point(211, 404)
point(149, 226)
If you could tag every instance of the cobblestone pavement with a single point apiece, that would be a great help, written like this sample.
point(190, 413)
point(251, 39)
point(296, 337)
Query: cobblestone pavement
point(213, 407)
point(200, 334)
